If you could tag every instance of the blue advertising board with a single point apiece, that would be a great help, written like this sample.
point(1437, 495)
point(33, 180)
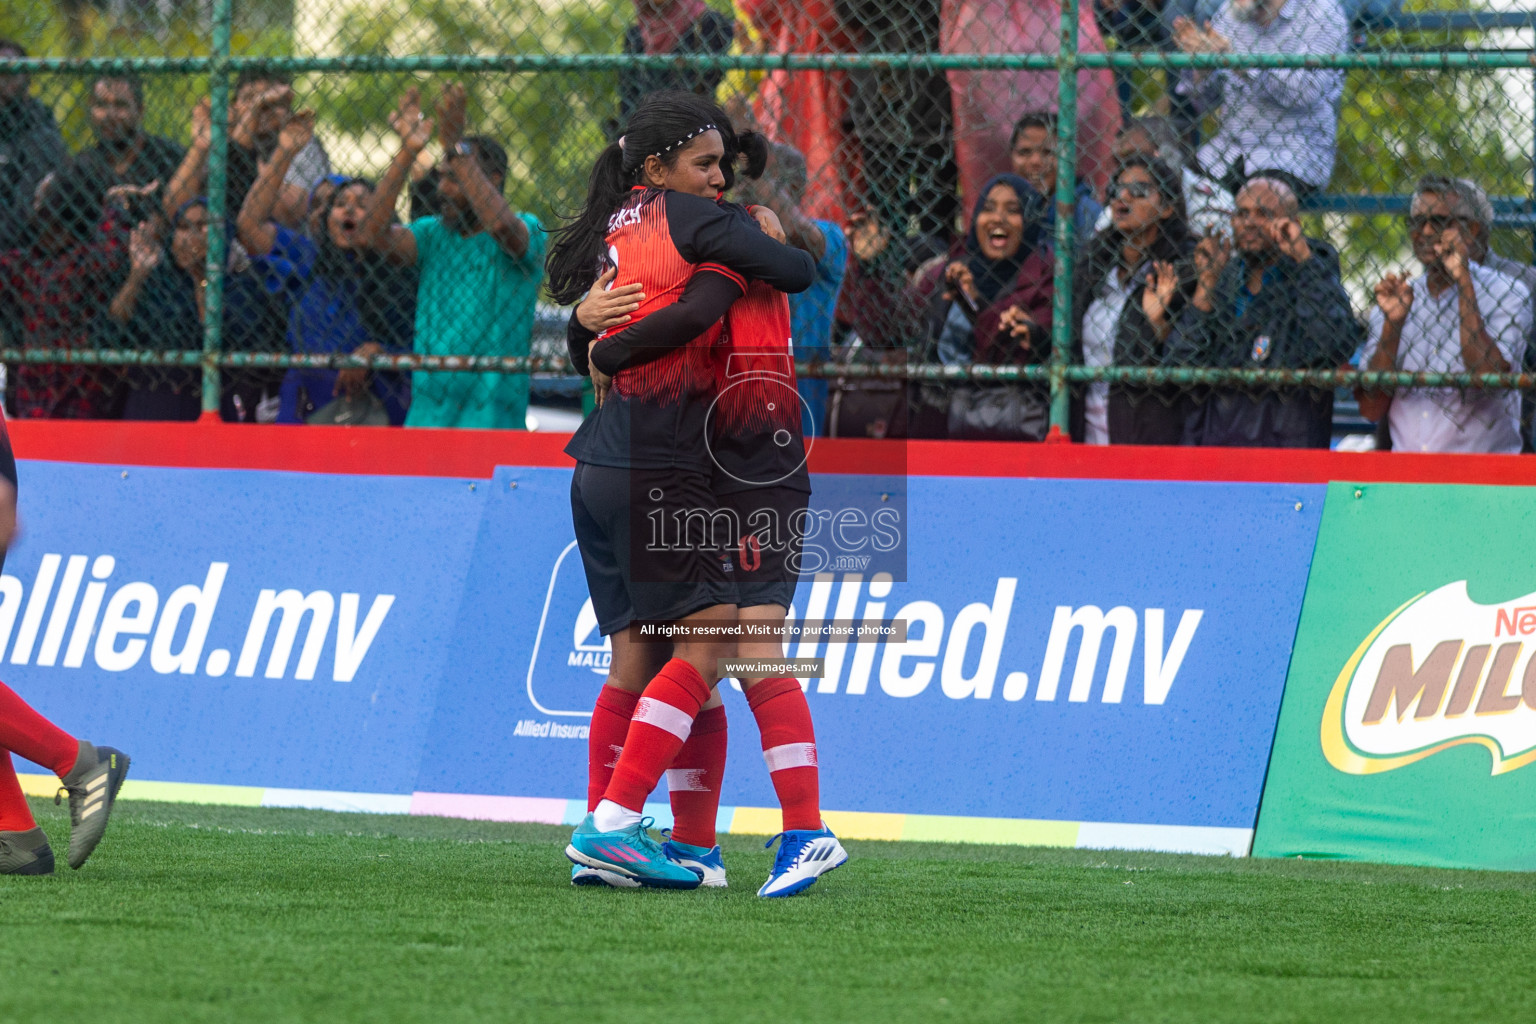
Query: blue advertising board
point(1078, 651)
point(1103, 656)
point(238, 628)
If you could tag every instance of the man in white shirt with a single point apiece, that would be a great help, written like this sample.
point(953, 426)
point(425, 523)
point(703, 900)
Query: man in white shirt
point(1273, 119)
point(1457, 317)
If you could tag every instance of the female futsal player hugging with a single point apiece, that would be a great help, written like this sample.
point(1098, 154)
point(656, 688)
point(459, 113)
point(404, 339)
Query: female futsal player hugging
point(757, 469)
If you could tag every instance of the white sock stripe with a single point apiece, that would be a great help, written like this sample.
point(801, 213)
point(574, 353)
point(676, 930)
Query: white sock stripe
point(686, 780)
point(664, 716)
point(790, 755)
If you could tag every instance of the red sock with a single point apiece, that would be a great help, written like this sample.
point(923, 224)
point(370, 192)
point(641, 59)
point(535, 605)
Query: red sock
point(605, 741)
point(789, 747)
point(661, 723)
point(15, 815)
point(25, 732)
point(694, 780)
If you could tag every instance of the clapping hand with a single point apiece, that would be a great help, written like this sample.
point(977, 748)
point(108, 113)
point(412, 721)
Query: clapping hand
point(415, 131)
point(1394, 297)
point(451, 107)
point(1018, 325)
point(1451, 250)
point(1290, 239)
point(1192, 38)
point(960, 283)
point(122, 196)
point(144, 251)
point(202, 124)
point(1211, 256)
point(1157, 296)
point(297, 131)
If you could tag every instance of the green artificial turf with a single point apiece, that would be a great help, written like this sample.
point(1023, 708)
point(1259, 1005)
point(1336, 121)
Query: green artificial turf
point(190, 913)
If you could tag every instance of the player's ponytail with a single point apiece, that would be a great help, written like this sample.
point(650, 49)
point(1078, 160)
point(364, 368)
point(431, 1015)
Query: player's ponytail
point(577, 249)
point(754, 150)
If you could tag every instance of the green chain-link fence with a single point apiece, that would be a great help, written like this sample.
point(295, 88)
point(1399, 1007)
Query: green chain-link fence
point(1170, 299)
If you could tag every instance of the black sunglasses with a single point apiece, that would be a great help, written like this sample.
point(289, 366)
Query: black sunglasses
point(1438, 221)
point(1133, 190)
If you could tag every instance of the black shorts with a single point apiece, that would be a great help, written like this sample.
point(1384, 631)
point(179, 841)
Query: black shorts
point(652, 542)
point(766, 549)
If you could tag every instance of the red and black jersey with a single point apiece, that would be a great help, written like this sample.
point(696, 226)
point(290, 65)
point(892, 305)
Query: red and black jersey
point(755, 427)
point(655, 413)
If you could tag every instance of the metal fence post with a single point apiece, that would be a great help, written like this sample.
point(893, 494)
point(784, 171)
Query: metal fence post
point(218, 179)
point(1066, 214)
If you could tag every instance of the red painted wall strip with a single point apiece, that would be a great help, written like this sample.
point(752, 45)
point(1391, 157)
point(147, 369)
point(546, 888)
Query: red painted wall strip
point(473, 454)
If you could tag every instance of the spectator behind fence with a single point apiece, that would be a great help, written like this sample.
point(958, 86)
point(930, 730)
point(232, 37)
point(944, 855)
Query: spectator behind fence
point(986, 102)
point(263, 103)
point(124, 153)
point(1481, 252)
point(480, 264)
point(1128, 293)
point(160, 308)
point(782, 189)
point(341, 297)
point(900, 117)
point(683, 27)
point(1207, 203)
point(30, 147)
point(1278, 306)
point(1033, 153)
point(1280, 122)
point(988, 301)
point(882, 264)
point(1457, 317)
point(54, 286)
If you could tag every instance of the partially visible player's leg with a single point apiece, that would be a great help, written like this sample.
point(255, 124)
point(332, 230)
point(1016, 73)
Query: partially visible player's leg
point(664, 584)
point(768, 570)
point(693, 785)
point(91, 775)
point(630, 668)
point(24, 849)
point(807, 848)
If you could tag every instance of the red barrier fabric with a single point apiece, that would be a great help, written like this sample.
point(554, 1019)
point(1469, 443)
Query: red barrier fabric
point(473, 454)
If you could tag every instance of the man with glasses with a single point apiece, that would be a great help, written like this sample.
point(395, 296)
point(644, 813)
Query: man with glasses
point(1457, 317)
point(1278, 306)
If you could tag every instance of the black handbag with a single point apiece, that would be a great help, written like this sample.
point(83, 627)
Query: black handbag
point(975, 411)
point(998, 412)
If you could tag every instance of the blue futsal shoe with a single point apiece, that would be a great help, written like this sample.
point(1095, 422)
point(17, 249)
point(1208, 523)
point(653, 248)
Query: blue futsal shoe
point(628, 853)
point(707, 864)
point(804, 856)
point(583, 875)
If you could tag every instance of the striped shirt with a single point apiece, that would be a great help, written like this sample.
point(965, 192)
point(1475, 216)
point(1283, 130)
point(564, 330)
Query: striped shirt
point(1279, 118)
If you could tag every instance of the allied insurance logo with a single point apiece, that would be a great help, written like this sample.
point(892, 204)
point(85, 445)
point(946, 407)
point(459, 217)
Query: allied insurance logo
point(1439, 672)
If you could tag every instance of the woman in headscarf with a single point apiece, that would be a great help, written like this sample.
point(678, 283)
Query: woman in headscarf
point(989, 300)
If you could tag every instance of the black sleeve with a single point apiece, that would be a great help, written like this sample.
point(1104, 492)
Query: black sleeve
point(706, 299)
point(706, 232)
point(577, 338)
